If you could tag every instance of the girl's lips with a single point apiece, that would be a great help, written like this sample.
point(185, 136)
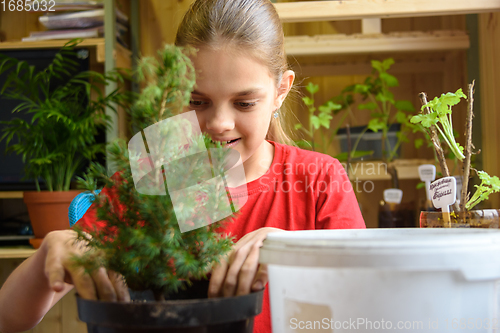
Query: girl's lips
point(232, 144)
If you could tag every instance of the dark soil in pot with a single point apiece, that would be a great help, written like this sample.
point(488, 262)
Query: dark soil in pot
point(485, 218)
point(189, 311)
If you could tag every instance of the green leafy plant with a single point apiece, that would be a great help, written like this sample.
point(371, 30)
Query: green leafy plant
point(64, 117)
point(320, 121)
point(144, 242)
point(377, 98)
point(488, 186)
point(318, 117)
point(436, 117)
point(441, 118)
point(384, 109)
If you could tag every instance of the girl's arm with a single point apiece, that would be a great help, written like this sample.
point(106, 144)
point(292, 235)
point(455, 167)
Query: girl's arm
point(240, 273)
point(44, 278)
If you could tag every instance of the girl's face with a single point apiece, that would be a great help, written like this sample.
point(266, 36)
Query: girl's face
point(234, 99)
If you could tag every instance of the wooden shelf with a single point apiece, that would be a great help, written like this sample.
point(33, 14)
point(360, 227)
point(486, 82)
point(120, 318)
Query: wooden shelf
point(308, 11)
point(16, 252)
point(121, 54)
point(376, 43)
point(97, 42)
point(11, 194)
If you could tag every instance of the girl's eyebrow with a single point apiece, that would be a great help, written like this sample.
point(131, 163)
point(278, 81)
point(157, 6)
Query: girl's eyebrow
point(239, 94)
point(249, 92)
point(195, 92)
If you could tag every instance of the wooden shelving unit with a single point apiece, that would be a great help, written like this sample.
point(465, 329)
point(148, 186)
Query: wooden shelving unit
point(310, 11)
point(122, 56)
point(11, 194)
point(105, 54)
point(376, 43)
point(16, 252)
point(331, 43)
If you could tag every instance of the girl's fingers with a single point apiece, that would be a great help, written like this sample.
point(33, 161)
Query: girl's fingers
point(248, 270)
point(55, 272)
point(240, 275)
point(120, 286)
point(83, 283)
point(237, 259)
point(261, 278)
point(217, 278)
point(104, 287)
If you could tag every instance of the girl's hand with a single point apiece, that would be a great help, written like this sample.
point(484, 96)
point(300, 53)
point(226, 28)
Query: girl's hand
point(59, 247)
point(240, 273)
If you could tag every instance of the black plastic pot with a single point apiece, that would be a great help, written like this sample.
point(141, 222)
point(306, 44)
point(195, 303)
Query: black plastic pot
point(207, 315)
point(370, 141)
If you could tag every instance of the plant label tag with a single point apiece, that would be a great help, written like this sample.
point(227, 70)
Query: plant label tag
point(459, 186)
point(444, 192)
point(393, 195)
point(427, 172)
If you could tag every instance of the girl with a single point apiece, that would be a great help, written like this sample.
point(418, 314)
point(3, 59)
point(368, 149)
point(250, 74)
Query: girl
point(242, 81)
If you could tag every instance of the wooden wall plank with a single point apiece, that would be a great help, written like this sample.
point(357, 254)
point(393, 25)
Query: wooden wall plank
point(159, 20)
point(489, 50)
point(24, 23)
point(52, 322)
point(70, 321)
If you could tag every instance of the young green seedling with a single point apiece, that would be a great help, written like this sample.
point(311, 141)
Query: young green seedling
point(488, 186)
point(441, 118)
point(438, 115)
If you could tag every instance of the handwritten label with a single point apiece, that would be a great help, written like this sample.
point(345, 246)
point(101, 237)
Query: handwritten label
point(443, 192)
point(427, 172)
point(393, 195)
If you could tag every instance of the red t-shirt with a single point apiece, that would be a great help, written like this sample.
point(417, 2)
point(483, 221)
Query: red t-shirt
point(302, 190)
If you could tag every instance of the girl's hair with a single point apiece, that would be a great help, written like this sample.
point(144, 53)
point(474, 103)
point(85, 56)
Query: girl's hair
point(251, 25)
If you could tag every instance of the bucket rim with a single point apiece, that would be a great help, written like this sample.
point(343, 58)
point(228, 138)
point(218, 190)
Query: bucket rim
point(384, 238)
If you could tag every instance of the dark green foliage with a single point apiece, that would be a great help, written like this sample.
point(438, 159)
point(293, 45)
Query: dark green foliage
point(61, 134)
point(376, 97)
point(141, 238)
point(384, 109)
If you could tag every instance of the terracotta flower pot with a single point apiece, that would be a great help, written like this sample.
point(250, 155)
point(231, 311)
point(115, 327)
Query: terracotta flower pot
point(486, 218)
point(48, 211)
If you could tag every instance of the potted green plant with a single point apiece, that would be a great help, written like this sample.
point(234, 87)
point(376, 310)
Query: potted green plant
point(144, 240)
point(436, 117)
point(319, 122)
point(382, 137)
point(60, 138)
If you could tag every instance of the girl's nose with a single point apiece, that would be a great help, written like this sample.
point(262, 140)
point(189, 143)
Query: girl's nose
point(220, 120)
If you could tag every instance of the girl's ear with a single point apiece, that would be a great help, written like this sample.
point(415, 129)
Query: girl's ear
point(284, 87)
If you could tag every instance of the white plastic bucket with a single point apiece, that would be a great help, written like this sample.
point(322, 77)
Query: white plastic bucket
point(382, 280)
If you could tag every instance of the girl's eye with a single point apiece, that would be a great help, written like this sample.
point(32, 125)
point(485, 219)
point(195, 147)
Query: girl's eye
point(196, 103)
point(246, 105)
